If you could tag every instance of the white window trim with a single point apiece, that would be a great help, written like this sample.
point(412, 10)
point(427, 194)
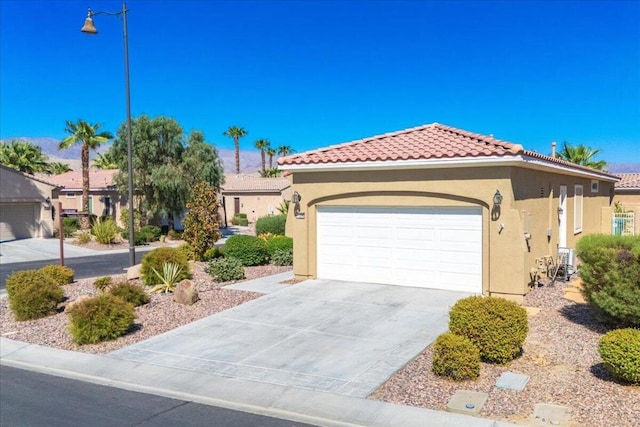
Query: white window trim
point(595, 186)
point(578, 205)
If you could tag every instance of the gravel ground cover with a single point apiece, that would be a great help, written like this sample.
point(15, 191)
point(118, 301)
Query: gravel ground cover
point(560, 356)
point(161, 314)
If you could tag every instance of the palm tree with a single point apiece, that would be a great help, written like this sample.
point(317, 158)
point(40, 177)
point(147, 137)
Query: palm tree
point(56, 168)
point(262, 145)
point(271, 152)
point(85, 134)
point(105, 160)
point(284, 150)
point(582, 155)
point(236, 133)
point(23, 156)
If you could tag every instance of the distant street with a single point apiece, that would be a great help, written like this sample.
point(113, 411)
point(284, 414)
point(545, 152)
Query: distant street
point(87, 266)
point(33, 399)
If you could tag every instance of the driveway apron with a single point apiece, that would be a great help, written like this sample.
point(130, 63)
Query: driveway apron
point(339, 337)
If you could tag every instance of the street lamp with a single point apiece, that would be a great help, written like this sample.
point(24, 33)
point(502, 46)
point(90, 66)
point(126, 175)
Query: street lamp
point(89, 28)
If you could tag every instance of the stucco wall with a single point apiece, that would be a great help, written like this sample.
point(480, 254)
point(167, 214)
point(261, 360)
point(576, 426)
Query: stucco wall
point(118, 202)
point(255, 205)
point(506, 257)
point(17, 188)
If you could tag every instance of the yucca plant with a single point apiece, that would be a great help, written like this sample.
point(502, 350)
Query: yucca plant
point(169, 277)
point(105, 231)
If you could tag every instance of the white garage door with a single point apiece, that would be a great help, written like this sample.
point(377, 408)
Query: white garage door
point(17, 221)
point(437, 248)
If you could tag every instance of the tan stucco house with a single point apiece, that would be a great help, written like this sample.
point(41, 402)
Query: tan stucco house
point(627, 194)
point(104, 198)
point(25, 205)
point(439, 207)
point(253, 195)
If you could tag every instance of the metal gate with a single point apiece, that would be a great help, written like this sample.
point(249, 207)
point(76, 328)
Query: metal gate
point(623, 224)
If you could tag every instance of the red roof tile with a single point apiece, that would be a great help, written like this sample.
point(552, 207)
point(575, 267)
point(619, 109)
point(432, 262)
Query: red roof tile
point(427, 142)
point(628, 181)
point(434, 141)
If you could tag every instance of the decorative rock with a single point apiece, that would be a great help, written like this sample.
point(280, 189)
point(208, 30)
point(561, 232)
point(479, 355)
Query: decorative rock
point(134, 272)
point(186, 293)
point(78, 301)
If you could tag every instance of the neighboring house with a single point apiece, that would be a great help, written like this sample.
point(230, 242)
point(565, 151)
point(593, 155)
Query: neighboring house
point(253, 195)
point(25, 205)
point(439, 207)
point(627, 194)
point(104, 199)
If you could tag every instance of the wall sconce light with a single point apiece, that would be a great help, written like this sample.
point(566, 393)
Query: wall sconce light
point(497, 198)
point(560, 210)
point(296, 198)
point(47, 203)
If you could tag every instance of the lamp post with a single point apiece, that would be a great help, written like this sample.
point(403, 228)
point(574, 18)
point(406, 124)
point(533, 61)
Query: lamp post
point(89, 28)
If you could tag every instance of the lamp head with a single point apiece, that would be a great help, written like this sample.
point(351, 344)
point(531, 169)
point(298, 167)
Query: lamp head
point(497, 198)
point(88, 27)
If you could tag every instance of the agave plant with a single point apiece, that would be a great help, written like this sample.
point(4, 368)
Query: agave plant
point(169, 277)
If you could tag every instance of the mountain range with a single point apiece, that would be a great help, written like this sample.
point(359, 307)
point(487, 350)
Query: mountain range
point(250, 160)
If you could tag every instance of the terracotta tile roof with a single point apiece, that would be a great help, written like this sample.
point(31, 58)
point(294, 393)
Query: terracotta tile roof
point(628, 181)
point(253, 183)
point(434, 141)
point(427, 142)
point(98, 179)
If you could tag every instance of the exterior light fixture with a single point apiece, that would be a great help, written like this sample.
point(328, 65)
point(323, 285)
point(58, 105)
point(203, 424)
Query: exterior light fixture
point(89, 28)
point(497, 198)
point(296, 198)
point(47, 203)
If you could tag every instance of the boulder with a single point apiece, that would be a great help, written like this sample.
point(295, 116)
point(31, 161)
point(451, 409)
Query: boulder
point(133, 272)
point(185, 293)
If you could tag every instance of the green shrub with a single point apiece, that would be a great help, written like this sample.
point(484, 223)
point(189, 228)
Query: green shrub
point(105, 231)
point(60, 274)
point(128, 292)
point(201, 226)
point(250, 250)
point(32, 294)
point(620, 352)
point(455, 357)
point(279, 242)
point(124, 219)
point(240, 219)
point(70, 226)
point(225, 269)
point(496, 326)
point(83, 238)
point(139, 238)
point(103, 283)
point(156, 258)
point(212, 253)
point(104, 317)
point(152, 232)
point(175, 234)
point(282, 257)
point(610, 273)
point(187, 251)
point(271, 224)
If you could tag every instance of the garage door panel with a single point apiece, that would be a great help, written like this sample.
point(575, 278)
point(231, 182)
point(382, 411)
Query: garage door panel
point(426, 247)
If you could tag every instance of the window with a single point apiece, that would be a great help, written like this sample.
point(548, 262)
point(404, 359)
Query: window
point(577, 209)
point(595, 186)
point(70, 195)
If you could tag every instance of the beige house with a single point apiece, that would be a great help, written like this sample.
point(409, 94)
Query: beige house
point(253, 195)
point(627, 194)
point(104, 199)
point(25, 206)
point(438, 207)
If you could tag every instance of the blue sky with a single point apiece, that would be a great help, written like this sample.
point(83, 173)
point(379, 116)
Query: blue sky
point(314, 73)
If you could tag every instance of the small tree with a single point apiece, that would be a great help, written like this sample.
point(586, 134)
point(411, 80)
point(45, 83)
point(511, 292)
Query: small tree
point(201, 226)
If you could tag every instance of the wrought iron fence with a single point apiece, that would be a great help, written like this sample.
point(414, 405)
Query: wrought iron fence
point(623, 224)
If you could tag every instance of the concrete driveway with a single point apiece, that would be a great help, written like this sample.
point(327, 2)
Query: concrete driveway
point(332, 336)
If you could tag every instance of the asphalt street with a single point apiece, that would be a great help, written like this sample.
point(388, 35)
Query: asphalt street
point(87, 266)
point(33, 399)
